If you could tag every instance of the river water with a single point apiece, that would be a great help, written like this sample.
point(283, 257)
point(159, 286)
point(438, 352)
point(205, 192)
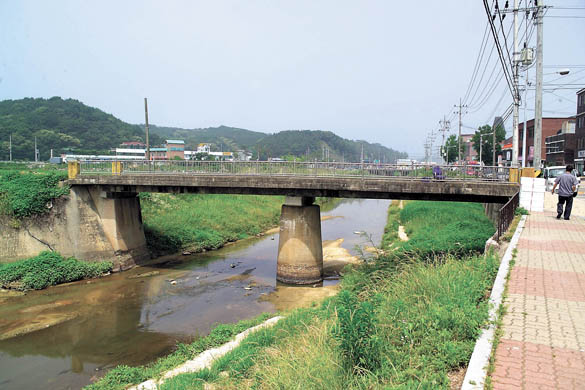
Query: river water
point(133, 317)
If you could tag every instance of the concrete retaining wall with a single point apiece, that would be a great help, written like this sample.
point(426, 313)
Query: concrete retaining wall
point(88, 224)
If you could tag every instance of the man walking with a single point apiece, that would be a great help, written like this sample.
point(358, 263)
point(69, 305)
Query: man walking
point(567, 186)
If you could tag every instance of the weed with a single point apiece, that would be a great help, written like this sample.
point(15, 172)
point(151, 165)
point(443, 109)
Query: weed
point(23, 194)
point(48, 269)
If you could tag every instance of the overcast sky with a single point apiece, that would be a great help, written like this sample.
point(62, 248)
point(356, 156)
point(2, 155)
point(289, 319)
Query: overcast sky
point(384, 71)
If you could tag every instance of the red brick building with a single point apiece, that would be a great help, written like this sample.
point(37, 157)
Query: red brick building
point(550, 126)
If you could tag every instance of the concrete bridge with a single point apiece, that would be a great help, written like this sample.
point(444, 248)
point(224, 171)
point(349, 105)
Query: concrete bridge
point(112, 194)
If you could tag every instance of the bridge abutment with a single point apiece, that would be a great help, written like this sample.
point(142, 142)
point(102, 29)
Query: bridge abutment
point(119, 220)
point(300, 249)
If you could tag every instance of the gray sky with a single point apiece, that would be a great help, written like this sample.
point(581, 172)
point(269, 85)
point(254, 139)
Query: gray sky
point(384, 71)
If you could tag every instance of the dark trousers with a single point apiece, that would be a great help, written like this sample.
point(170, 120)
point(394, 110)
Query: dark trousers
point(568, 207)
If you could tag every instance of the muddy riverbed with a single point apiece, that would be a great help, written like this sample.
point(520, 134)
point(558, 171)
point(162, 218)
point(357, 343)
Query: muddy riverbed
point(66, 336)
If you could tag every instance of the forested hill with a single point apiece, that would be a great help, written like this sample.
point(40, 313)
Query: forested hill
point(301, 144)
point(315, 144)
point(71, 126)
point(61, 125)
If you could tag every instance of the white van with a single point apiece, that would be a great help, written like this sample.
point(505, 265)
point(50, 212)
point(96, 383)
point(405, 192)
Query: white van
point(551, 174)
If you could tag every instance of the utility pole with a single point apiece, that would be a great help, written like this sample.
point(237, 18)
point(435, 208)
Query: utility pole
point(459, 111)
point(36, 151)
point(538, 96)
point(516, 94)
point(146, 126)
point(10, 143)
point(432, 139)
point(445, 125)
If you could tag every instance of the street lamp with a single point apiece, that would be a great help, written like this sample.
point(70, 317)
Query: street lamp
point(481, 145)
point(562, 72)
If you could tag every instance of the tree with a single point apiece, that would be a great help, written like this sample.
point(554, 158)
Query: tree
point(487, 141)
point(449, 150)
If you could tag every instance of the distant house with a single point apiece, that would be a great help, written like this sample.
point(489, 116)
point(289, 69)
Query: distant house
point(203, 148)
point(170, 151)
point(468, 153)
point(175, 149)
point(560, 148)
point(505, 157)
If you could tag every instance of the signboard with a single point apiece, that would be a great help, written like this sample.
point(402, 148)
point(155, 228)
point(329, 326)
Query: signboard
point(581, 153)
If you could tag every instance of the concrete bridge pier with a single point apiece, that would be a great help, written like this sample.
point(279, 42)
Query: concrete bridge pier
point(300, 249)
point(111, 222)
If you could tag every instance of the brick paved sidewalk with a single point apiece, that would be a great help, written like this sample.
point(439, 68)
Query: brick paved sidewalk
point(543, 341)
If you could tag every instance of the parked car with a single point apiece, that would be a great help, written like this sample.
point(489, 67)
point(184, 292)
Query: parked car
point(551, 174)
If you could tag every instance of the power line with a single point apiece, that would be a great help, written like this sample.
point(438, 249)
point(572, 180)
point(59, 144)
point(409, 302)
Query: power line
point(505, 37)
point(480, 55)
point(499, 48)
point(471, 102)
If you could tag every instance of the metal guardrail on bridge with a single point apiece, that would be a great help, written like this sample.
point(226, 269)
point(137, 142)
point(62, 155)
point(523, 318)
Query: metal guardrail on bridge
point(292, 168)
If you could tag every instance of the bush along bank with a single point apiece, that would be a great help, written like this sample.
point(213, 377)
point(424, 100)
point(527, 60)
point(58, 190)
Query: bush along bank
point(48, 269)
point(27, 193)
point(406, 320)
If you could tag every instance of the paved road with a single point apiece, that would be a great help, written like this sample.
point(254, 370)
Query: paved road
point(543, 342)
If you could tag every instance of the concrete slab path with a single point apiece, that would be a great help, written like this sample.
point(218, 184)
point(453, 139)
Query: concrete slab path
point(543, 341)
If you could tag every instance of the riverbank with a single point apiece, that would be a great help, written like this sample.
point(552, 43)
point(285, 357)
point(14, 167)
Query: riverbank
point(401, 320)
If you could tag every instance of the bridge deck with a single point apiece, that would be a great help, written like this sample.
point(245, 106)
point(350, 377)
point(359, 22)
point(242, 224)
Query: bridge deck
point(339, 187)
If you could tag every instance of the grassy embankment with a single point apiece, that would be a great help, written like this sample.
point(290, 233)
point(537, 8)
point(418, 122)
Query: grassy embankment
point(26, 193)
point(204, 222)
point(197, 222)
point(405, 320)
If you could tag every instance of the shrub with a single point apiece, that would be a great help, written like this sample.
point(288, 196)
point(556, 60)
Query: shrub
point(355, 330)
point(23, 194)
point(521, 211)
point(48, 269)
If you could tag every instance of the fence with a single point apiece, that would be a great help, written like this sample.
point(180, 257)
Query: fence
point(507, 213)
point(292, 168)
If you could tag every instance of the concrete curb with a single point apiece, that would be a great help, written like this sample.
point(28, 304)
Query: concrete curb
point(205, 358)
point(478, 364)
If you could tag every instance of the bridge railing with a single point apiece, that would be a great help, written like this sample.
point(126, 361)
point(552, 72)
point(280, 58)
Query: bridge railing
point(506, 214)
point(292, 168)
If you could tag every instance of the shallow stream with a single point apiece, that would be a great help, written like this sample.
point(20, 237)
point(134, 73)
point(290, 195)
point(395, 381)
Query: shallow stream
point(82, 329)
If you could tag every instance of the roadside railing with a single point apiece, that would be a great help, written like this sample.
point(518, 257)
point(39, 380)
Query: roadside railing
point(293, 168)
point(507, 213)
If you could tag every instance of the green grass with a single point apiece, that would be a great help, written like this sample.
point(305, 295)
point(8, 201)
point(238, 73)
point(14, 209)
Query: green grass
point(197, 222)
point(48, 269)
point(437, 228)
point(26, 193)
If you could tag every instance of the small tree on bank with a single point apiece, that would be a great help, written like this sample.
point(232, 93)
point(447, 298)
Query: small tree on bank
point(449, 150)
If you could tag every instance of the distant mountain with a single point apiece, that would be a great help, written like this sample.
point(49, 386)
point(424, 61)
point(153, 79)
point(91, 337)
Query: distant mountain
point(61, 125)
point(67, 125)
point(317, 144)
